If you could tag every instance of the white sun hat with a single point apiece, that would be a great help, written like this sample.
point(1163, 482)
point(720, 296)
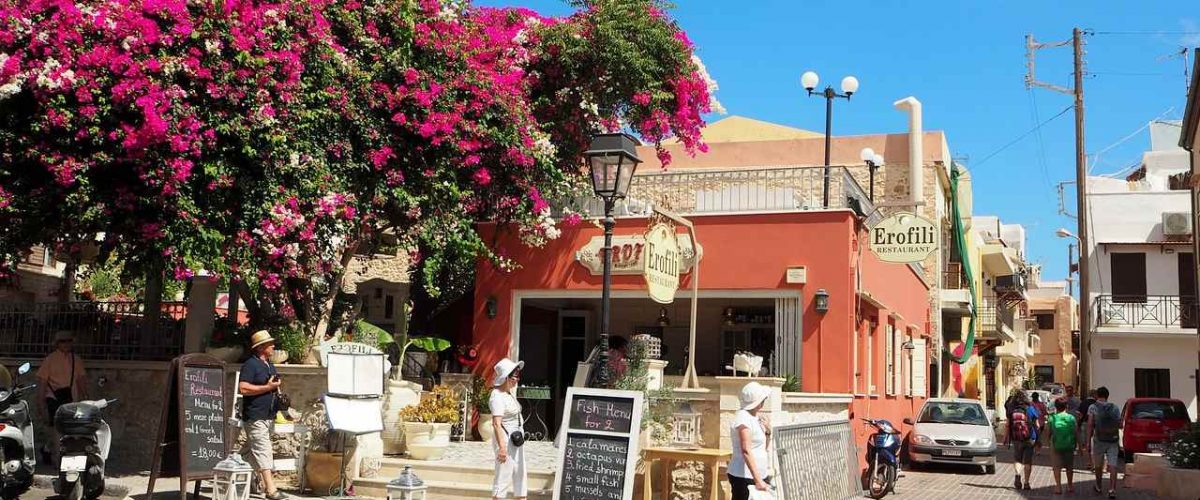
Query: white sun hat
point(753, 394)
point(504, 368)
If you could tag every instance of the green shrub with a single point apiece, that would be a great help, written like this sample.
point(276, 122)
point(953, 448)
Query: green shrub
point(1184, 449)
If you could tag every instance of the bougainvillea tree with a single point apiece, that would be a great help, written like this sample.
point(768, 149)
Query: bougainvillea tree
point(266, 141)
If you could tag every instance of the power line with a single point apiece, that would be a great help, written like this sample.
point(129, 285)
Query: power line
point(1145, 33)
point(1022, 136)
point(1041, 144)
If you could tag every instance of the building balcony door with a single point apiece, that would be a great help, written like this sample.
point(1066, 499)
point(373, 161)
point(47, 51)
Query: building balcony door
point(1187, 290)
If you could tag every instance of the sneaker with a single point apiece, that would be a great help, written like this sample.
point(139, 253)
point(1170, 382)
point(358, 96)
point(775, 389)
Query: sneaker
point(278, 495)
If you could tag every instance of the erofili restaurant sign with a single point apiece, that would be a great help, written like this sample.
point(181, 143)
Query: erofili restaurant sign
point(662, 264)
point(904, 238)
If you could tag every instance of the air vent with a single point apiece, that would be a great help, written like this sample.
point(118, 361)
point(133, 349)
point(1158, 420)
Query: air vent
point(1177, 223)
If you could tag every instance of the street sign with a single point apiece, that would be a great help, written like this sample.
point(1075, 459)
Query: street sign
point(662, 263)
point(904, 238)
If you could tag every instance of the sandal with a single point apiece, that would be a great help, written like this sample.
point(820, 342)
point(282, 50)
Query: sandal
point(1112, 493)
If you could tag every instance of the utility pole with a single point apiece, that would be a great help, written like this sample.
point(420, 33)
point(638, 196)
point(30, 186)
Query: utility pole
point(1085, 317)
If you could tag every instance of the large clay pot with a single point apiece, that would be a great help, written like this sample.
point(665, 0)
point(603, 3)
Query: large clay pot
point(321, 471)
point(426, 441)
point(229, 354)
point(280, 357)
point(484, 427)
point(400, 394)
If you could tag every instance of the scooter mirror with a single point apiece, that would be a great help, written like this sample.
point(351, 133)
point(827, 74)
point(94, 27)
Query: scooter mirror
point(23, 369)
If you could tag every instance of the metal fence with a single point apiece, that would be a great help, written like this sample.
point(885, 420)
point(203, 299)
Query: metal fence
point(102, 330)
point(1146, 310)
point(817, 461)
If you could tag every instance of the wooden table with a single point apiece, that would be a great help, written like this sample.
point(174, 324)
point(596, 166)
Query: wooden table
point(711, 457)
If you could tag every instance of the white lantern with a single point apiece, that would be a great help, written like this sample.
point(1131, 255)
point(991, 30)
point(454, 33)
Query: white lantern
point(406, 487)
point(685, 423)
point(231, 479)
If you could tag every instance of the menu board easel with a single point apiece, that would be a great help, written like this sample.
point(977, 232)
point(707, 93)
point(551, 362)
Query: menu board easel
point(600, 444)
point(192, 435)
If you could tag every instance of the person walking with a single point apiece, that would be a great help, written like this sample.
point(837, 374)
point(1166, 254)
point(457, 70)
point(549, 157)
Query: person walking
point(1023, 433)
point(1083, 418)
point(62, 379)
point(510, 471)
point(1103, 432)
point(1063, 439)
point(259, 385)
point(750, 432)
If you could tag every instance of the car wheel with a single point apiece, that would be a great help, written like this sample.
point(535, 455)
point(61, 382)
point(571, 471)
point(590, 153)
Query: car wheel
point(989, 469)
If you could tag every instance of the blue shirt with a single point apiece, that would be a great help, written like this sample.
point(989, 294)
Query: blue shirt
point(258, 372)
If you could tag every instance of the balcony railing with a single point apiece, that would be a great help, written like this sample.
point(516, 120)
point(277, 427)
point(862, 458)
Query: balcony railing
point(1146, 311)
point(102, 330)
point(953, 277)
point(742, 190)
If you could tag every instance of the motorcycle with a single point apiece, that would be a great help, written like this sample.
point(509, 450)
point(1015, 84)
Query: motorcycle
point(883, 458)
point(16, 439)
point(83, 443)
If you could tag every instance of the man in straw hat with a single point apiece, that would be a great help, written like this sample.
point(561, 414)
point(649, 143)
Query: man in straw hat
point(259, 386)
point(61, 380)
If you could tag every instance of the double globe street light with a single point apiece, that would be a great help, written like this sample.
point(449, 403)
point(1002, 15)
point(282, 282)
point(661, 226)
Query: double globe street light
point(612, 160)
point(849, 86)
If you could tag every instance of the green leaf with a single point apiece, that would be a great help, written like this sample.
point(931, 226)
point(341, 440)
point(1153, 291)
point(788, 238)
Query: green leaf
point(430, 344)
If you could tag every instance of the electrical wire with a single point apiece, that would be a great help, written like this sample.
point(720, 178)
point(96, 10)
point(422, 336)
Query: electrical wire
point(1146, 33)
point(1096, 156)
point(1041, 144)
point(1022, 136)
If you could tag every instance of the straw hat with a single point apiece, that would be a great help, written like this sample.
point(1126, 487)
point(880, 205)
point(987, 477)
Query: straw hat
point(261, 337)
point(753, 394)
point(504, 368)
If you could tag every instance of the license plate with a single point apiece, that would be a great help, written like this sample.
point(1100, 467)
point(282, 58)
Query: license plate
point(1156, 446)
point(73, 464)
point(952, 453)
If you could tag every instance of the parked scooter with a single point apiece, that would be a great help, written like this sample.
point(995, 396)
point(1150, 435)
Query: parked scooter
point(83, 444)
point(16, 439)
point(883, 458)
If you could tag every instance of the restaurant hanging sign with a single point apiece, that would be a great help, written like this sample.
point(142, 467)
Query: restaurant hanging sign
point(629, 255)
point(904, 238)
point(662, 263)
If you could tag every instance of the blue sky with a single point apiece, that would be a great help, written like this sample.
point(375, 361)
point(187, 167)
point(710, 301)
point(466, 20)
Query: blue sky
point(965, 60)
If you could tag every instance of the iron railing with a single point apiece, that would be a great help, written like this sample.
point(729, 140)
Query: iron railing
point(102, 330)
point(781, 189)
point(817, 461)
point(1146, 310)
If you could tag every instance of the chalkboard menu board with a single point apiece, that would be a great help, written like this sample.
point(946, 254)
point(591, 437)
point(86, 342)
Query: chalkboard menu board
point(597, 460)
point(192, 429)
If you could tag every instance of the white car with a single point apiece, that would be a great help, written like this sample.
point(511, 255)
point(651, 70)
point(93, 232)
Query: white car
point(953, 431)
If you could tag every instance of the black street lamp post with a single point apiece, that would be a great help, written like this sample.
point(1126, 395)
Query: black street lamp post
point(612, 159)
point(874, 161)
point(849, 86)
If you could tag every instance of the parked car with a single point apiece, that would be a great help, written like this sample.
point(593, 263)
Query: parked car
point(1046, 397)
point(1147, 424)
point(953, 431)
point(1055, 389)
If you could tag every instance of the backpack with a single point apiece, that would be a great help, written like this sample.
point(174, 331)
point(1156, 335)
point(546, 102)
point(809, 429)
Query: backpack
point(1063, 434)
point(1108, 422)
point(1019, 428)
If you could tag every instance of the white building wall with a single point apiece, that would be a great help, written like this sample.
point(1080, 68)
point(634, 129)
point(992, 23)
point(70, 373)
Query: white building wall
point(1162, 267)
point(1173, 352)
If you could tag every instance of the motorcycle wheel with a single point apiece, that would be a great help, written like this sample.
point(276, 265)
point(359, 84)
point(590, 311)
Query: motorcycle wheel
point(878, 479)
point(76, 491)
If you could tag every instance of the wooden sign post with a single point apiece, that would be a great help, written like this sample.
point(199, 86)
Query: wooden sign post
point(192, 435)
point(600, 446)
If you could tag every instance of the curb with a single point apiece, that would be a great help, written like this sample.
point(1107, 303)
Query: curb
point(111, 491)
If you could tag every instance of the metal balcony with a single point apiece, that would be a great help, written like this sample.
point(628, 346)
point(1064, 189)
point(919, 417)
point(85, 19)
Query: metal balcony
point(953, 277)
point(1162, 311)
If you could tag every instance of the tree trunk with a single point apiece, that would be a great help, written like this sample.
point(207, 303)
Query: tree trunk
point(326, 310)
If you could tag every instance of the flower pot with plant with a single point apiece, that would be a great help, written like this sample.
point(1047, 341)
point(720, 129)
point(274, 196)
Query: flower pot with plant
point(291, 342)
point(481, 393)
point(427, 425)
point(228, 342)
point(321, 461)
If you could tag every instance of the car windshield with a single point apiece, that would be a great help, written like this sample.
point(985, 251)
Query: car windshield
point(1160, 410)
point(953, 413)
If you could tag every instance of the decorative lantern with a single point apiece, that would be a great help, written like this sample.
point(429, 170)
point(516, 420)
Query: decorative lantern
point(686, 427)
point(231, 478)
point(406, 487)
point(821, 301)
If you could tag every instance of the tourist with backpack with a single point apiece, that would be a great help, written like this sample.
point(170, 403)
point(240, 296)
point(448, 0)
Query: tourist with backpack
point(1061, 427)
point(1103, 432)
point(1024, 425)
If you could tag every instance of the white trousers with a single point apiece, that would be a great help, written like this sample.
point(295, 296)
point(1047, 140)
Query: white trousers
point(511, 473)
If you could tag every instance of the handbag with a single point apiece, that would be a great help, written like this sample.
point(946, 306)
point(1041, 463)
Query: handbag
point(760, 495)
point(518, 437)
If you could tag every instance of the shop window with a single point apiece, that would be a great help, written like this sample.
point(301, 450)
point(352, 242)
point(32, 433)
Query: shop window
point(1151, 383)
point(1045, 321)
point(1043, 374)
point(1128, 277)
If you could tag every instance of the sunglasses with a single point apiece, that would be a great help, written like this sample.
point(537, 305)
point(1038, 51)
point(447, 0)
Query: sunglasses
point(515, 374)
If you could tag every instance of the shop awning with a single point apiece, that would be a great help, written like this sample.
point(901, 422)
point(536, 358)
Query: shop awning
point(999, 260)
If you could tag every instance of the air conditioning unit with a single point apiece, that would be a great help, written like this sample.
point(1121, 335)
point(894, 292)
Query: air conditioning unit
point(1177, 223)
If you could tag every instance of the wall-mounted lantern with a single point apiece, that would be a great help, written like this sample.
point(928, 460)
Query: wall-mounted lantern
point(821, 301)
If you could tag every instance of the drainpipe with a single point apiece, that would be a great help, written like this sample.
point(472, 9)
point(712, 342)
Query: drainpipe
point(916, 155)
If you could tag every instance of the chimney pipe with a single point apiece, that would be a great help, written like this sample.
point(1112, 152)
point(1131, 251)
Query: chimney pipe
point(916, 154)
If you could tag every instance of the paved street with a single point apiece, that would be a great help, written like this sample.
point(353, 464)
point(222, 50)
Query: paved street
point(943, 482)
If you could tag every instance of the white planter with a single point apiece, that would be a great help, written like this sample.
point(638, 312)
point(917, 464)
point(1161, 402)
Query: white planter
point(1179, 484)
point(484, 426)
point(400, 394)
point(426, 441)
point(280, 357)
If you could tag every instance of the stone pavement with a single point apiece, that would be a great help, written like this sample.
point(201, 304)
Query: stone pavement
point(944, 482)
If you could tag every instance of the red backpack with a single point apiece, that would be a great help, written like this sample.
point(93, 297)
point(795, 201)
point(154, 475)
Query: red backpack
point(1018, 426)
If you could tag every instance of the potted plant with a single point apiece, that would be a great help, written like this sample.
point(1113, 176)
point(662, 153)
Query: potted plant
point(321, 463)
point(480, 395)
point(427, 425)
point(400, 393)
point(228, 342)
point(291, 342)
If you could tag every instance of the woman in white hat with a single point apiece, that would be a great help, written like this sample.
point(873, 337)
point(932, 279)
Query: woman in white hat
point(748, 465)
point(506, 419)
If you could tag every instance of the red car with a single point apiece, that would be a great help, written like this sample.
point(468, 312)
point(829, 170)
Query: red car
point(1148, 422)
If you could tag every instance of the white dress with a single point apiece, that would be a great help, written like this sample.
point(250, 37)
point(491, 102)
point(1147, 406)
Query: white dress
point(512, 472)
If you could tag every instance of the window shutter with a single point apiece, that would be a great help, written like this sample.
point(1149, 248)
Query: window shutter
point(890, 359)
point(919, 365)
